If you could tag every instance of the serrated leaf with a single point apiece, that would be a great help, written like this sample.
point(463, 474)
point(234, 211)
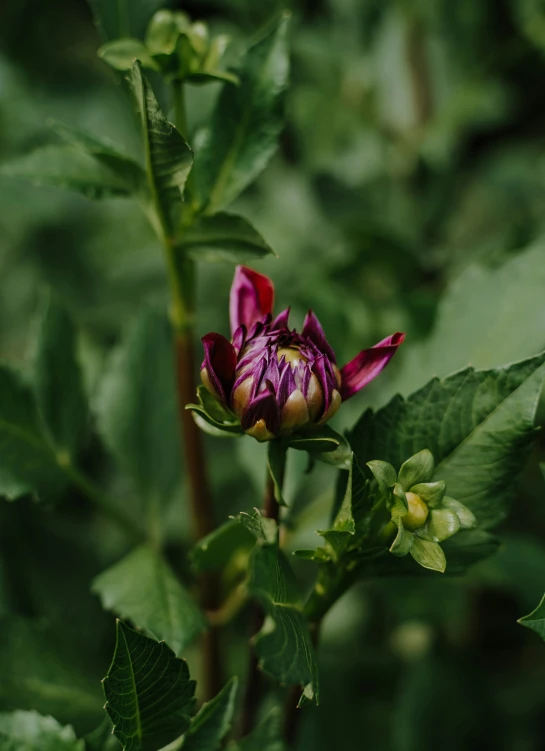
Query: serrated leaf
point(30, 731)
point(479, 426)
point(428, 554)
point(213, 721)
point(224, 237)
point(214, 551)
point(137, 407)
point(479, 321)
point(142, 587)
point(267, 736)
point(69, 168)
point(58, 381)
point(246, 123)
point(168, 157)
point(149, 694)
point(283, 644)
point(121, 54)
point(28, 462)
point(536, 619)
point(105, 152)
point(40, 671)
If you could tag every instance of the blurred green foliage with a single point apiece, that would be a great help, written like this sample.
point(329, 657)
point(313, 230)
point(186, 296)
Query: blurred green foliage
point(409, 186)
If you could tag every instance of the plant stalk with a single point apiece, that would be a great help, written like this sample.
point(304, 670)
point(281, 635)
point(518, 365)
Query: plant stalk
point(271, 510)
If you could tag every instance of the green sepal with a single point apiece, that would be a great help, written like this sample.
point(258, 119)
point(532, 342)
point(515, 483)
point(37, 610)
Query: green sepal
point(428, 554)
point(397, 503)
point(384, 474)
point(213, 76)
point(120, 54)
point(326, 445)
point(432, 493)
point(536, 619)
point(442, 523)
point(213, 417)
point(403, 541)
point(418, 468)
point(163, 31)
point(466, 517)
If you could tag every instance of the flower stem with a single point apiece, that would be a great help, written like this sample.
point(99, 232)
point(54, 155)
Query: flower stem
point(182, 279)
point(271, 510)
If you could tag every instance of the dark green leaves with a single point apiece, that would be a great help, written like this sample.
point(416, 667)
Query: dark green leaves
point(58, 380)
point(30, 731)
point(214, 551)
point(226, 237)
point(536, 619)
point(137, 407)
point(479, 426)
point(283, 645)
point(143, 588)
point(65, 167)
point(213, 721)
point(168, 157)
point(246, 123)
point(267, 736)
point(117, 18)
point(149, 693)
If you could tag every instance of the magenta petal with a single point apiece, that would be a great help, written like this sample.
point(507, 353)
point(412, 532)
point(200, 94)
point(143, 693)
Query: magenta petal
point(263, 407)
point(312, 329)
point(239, 337)
point(368, 364)
point(220, 361)
point(281, 320)
point(252, 298)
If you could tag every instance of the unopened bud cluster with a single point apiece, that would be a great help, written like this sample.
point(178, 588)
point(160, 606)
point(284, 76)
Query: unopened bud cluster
point(174, 46)
point(422, 515)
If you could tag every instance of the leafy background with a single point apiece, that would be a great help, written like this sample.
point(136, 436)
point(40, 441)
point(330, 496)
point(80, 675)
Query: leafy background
point(408, 194)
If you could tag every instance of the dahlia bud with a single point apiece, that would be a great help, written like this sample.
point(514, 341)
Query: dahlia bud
point(275, 380)
point(420, 511)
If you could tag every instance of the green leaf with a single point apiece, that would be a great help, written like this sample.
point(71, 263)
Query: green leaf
point(28, 462)
point(267, 736)
point(119, 18)
point(137, 407)
point(212, 76)
point(213, 721)
point(326, 445)
point(168, 157)
point(283, 644)
point(69, 168)
point(416, 469)
point(276, 466)
point(106, 153)
point(214, 551)
point(143, 588)
point(536, 619)
point(121, 54)
point(58, 381)
point(246, 123)
point(30, 731)
point(479, 320)
point(479, 426)
point(149, 694)
point(42, 672)
point(224, 237)
point(428, 554)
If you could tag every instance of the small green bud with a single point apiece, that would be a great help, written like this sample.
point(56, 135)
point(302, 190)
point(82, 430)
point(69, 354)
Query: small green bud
point(417, 515)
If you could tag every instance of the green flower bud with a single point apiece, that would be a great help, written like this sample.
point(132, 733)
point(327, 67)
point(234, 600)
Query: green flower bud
point(417, 514)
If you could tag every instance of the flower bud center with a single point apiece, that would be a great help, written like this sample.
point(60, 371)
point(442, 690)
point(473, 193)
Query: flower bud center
point(418, 512)
point(290, 354)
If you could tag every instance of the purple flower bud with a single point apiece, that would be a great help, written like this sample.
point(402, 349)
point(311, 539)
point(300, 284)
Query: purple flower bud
point(274, 379)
